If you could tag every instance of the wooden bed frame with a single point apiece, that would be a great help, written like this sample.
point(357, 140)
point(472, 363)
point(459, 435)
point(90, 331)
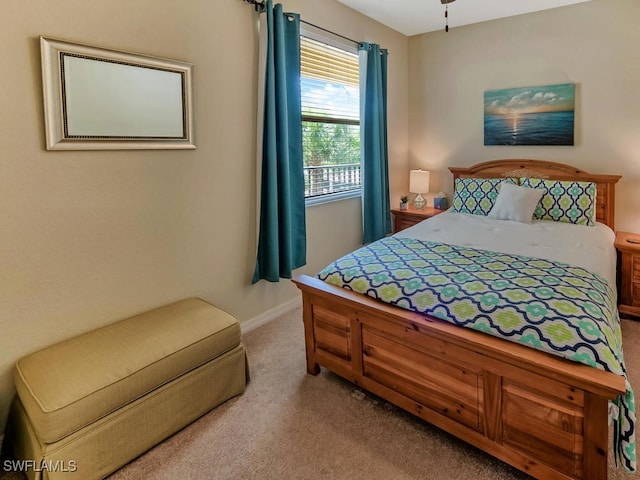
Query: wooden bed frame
point(542, 414)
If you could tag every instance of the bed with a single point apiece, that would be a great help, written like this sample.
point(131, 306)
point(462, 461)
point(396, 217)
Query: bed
point(543, 414)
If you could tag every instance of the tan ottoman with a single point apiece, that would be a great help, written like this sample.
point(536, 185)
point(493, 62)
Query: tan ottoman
point(88, 405)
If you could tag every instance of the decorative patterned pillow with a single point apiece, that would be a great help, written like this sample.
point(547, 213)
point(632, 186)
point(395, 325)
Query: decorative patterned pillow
point(476, 195)
point(564, 201)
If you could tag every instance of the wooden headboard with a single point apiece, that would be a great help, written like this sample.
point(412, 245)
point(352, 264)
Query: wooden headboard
point(605, 184)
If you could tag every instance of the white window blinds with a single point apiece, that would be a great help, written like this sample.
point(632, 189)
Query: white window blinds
point(329, 85)
point(329, 82)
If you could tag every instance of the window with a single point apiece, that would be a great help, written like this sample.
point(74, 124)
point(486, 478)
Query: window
point(329, 87)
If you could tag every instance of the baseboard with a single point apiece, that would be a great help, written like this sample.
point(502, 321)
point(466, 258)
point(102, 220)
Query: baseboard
point(272, 314)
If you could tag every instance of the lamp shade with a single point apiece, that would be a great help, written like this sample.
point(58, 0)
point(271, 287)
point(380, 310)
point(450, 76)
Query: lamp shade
point(419, 181)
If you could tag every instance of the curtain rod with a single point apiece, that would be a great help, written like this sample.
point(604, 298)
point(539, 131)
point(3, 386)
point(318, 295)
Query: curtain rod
point(258, 5)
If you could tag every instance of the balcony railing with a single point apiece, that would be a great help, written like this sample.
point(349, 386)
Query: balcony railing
point(327, 179)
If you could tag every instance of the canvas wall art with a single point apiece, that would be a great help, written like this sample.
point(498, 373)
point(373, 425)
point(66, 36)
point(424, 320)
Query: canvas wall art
point(530, 116)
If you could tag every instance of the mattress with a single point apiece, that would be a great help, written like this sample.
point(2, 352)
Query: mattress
point(591, 248)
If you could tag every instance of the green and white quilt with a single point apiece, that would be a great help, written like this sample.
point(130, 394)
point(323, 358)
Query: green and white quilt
point(551, 306)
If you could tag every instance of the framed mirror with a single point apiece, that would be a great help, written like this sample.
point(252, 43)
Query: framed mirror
point(99, 99)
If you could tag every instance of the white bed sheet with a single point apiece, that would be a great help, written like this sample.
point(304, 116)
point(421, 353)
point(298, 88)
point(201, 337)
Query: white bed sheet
point(591, 248)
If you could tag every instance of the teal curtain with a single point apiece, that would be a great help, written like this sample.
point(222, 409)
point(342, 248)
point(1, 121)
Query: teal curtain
point(282, 231)
point(376, 210)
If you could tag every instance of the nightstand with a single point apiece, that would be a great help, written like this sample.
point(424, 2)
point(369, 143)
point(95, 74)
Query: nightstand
point(628, 273)
point(407, 218)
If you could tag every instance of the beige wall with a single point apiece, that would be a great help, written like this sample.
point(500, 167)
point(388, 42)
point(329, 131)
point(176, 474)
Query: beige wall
point(90, 237)
point(592, 44)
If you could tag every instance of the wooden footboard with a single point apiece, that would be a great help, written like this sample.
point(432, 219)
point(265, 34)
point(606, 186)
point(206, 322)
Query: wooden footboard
point(544, 415)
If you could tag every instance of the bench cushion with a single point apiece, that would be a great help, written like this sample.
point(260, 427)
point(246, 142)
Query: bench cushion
point(71, 384)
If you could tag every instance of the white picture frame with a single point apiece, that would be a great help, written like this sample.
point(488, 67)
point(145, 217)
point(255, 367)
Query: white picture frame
point(101, 99)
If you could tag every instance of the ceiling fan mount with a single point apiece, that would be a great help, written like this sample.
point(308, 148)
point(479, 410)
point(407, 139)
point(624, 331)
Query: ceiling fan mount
point(446, 12)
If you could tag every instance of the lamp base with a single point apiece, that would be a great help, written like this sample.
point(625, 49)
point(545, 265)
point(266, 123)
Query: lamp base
point(419, 202)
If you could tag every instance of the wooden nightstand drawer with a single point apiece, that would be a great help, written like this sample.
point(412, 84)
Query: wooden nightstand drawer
point(407, 218)
point(636, 267)
point(403, 223)
point(635, 294)
point(628, 274)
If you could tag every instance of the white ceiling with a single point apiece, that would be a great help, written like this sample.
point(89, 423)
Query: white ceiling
point(412, 17)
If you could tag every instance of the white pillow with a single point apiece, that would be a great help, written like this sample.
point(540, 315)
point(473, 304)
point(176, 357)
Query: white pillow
point(515, 203)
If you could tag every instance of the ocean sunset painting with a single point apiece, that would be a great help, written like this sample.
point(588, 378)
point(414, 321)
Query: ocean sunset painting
point(530, 115)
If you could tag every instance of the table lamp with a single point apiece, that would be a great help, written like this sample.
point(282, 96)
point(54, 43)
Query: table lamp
point(419, 183)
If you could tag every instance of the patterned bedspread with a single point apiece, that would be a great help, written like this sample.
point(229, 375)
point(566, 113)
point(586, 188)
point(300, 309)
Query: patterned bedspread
point(551, 306)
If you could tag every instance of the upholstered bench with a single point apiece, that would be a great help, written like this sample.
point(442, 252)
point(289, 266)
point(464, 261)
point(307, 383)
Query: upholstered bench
point(88, 405)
